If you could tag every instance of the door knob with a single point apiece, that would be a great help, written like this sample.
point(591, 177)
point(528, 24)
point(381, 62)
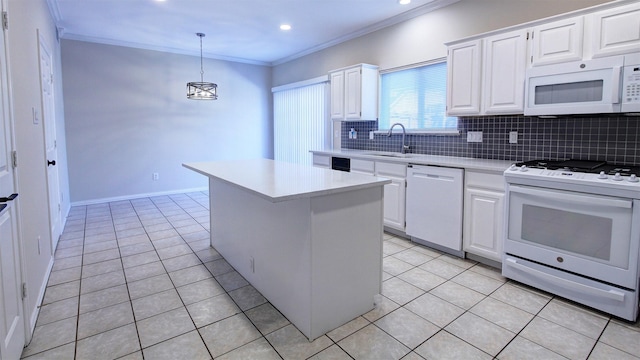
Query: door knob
point(9, 198)
point(52, 162)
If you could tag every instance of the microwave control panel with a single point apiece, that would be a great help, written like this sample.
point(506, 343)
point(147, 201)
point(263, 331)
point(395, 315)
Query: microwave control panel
point(631, 85)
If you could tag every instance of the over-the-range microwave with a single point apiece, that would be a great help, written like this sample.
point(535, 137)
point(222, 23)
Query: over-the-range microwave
point(598, 86)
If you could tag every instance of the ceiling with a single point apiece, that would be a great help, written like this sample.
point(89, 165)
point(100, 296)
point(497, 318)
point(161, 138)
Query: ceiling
point(237, 30)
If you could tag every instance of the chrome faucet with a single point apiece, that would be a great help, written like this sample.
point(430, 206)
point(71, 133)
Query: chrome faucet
point(404, 147)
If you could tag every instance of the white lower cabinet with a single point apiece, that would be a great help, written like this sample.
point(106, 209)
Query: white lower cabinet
point(322, 161)
point(367, 167)
point(483, 214)
point(394, 193)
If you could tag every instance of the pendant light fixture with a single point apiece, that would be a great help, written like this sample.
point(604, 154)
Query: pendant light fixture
point(202, 90)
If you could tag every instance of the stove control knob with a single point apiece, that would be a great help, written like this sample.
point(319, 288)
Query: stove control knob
point(513, 167)
point(633, 178)
point(617, 177)
point(602, 175)
point(524, 168)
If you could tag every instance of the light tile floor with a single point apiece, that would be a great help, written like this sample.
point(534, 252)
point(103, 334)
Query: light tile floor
point(137, 279)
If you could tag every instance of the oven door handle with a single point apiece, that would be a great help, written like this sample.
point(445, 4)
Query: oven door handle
point(576, 199)
point(567, 284)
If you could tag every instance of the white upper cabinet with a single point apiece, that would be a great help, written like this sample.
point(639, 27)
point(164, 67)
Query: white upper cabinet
point(486, 76)
point(615, 31)
point(486, 73)
point(505, 62)
point(464, 74)
point(558, 41)
point(337, 94)
point(354, 93)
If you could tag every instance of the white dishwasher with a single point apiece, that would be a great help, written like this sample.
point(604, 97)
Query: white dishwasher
point(434, 207)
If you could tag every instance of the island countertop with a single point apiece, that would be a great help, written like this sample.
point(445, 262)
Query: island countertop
point(281, 181)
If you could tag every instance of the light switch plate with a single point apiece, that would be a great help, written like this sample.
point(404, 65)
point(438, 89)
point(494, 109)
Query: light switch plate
point(370, 135)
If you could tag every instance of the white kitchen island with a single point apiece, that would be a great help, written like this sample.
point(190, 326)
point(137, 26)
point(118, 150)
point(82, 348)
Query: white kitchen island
point(309, 239)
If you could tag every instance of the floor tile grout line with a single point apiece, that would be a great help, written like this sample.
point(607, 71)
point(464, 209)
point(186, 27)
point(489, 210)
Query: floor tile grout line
point(135, 323)
point(387, 238)
point(443, 328)
point(182, 301)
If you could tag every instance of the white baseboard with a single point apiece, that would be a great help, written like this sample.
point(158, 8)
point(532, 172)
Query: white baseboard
point(136, 196)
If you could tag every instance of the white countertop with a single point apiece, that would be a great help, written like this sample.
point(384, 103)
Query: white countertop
point(281, 181)
point(421, 159)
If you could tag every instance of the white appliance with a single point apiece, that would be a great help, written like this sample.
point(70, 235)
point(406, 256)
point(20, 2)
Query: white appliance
point(434, 207)
point(606, 85)
point(573, 229)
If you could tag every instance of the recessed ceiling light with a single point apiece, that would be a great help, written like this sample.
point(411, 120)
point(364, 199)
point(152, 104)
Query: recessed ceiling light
point(404, 2)
point(285, 27)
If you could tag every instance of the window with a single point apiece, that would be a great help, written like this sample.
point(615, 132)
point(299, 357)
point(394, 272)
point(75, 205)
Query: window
point(416, 98)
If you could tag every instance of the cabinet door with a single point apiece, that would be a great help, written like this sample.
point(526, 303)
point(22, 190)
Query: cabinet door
point(352, 94)
point(505, 59)
point(615, 31)
point(337, 95)
point(394, 193)
point(558, 41)
point(483, 223)
point(394, 203)
point(463, 78)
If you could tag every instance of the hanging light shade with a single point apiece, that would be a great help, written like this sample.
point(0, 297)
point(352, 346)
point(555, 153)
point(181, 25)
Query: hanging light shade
point(202, 90)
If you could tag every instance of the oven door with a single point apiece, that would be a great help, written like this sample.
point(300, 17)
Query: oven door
point(585, 234)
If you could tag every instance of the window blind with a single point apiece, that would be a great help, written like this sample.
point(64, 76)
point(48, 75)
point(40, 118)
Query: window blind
point(300, 122)
point(416, 97)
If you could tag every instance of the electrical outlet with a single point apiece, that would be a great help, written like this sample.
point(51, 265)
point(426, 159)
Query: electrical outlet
point(474, 136)
point(370, 135)
point(156, 176)
point(513, 137)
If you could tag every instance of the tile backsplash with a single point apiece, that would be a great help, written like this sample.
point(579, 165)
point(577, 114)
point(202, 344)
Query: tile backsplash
point(614, 138)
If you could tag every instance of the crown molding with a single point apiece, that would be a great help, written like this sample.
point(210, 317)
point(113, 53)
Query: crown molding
point(408, 15)
point(92, 39)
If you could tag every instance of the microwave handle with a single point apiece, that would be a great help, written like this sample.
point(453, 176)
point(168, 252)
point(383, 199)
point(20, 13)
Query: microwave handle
point(575, 199)
point(615, 84)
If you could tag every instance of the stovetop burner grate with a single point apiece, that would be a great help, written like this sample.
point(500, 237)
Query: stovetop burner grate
point(585, 166)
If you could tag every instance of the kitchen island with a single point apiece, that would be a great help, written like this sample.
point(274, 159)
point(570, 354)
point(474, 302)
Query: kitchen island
point(309, 239)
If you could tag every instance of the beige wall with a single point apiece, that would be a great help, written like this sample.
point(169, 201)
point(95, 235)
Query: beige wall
point(128, 116)
point(422, 38)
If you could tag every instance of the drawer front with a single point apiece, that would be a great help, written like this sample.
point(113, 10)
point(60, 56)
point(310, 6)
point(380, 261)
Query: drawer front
point(322, 160)
point(391, 169)
point(487, 180)
point(364, 166)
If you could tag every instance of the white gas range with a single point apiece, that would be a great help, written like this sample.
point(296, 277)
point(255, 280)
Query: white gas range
point(573, 229)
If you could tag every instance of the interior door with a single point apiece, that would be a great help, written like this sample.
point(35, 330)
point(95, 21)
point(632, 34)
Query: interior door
point(12, 333)
point(48, 117)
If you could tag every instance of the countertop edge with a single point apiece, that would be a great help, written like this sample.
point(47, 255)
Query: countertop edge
point(423, 159)
point(309, 194)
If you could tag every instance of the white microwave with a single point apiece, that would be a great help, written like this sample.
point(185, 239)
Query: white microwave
point(606, 85)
